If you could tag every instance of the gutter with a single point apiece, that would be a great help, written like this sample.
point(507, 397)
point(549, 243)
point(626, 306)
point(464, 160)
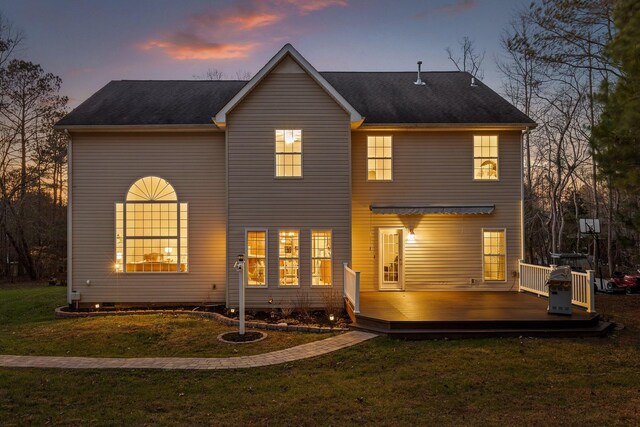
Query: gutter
point(446, 126)
point(140, 128)
point(69, 218)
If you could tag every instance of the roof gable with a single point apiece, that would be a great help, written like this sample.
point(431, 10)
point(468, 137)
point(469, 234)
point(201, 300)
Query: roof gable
point(284, 61)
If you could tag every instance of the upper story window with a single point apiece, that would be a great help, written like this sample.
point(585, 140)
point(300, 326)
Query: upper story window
point(379, 158)
point(288, 153)
point(151, 229)
point(485, 157)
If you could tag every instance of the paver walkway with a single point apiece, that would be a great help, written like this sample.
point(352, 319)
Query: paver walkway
point(304, 351)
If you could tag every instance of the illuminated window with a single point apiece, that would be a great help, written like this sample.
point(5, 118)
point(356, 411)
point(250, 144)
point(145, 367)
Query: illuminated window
point(379, 158)
point(288, 153)
point(494, 255)
point(321, 258)
point(151, 229)
point(257, 258)
point(289, 258)
point(485, 157)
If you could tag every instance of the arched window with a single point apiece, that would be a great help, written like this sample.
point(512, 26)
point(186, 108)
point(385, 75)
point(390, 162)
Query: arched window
point(151, 229)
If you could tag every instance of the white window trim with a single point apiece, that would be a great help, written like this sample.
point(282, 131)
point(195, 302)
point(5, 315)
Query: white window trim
point(299, 258)
point(504, 230)
point(275, 156)
point(266, 258)
point(473, 159)
point(333, 277)
point(366, 169)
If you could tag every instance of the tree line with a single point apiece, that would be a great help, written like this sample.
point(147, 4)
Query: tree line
point(563, 64)
point(33, 164)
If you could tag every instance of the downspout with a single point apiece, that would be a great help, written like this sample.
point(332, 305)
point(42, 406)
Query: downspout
point(69, 218)
point(522, 231)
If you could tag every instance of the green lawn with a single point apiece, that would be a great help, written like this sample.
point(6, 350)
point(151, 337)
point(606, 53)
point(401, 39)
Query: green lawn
point(383, 381)
point(27, 327)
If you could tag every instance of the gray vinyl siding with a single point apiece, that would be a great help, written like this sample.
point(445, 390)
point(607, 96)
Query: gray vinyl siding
point(104, 166)
point(288, 98)
point(436, 168)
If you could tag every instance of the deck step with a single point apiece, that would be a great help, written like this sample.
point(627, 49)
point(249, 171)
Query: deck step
point(598, 330)
point(550, 323)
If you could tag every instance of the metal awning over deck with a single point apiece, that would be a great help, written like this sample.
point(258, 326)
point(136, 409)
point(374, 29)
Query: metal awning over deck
point(416, 209)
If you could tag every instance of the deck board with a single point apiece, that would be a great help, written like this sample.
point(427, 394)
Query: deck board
point(460, 306)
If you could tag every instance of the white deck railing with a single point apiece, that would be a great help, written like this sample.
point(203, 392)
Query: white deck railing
point(533, 278)
point(352, 287)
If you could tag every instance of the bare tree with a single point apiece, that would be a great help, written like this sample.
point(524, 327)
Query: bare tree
point(467, 58)
point(243, 75)
point(10, 39)
point(31, 105)
point(210, 74)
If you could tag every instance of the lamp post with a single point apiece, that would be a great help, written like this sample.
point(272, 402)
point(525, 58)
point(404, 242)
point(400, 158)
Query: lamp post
point(239, 266)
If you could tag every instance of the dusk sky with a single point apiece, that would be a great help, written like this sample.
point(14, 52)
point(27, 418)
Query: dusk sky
point(89, 43)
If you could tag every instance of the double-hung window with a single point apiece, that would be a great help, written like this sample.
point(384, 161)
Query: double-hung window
point(485, 157)
point(494, 252)
point(321, 258)
point(289, 255)
point(288, 153)
point(379, 158)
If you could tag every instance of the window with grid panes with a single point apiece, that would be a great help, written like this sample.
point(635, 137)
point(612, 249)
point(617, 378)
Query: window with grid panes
point(379, 158)
point(494, 255)
point(288, 153)
point(151, 229)
point(485, 157)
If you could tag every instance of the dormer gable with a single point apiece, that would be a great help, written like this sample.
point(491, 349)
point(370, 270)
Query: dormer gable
point(288, 60)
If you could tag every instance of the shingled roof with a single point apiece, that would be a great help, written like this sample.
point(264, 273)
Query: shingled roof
point(381, 97)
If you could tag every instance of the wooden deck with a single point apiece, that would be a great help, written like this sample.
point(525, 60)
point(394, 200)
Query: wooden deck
point(468, 314)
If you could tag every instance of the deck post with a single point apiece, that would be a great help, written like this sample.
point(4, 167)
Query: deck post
point(520, 269)
point(591, 292)
point(356, 308)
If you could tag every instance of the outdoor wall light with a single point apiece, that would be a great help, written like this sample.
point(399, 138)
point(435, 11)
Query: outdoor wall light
point(332, 317)
point(288, 137)
point(412, 236)
point(97, 306)
point(232, 310)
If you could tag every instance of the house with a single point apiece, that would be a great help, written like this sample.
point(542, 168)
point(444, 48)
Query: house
point(413, 180)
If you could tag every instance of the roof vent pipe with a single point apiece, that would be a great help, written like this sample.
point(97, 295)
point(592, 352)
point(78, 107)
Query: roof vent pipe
point(473, 82)
point(419, 82)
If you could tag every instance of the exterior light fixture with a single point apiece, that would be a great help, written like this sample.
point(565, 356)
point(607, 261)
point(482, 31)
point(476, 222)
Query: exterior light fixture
point(232, 310)
point(288, 137)
point(97, 306)
point(412, 236)
point(332, 317)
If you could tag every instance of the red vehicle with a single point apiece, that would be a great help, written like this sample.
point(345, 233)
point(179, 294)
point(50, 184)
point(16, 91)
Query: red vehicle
point(620, 282)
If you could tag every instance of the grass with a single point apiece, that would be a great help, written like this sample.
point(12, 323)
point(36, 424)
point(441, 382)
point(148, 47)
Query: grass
point(27, 327)
point(383, 381)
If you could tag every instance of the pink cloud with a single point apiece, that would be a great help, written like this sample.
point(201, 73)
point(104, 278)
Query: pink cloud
point(307, 6)
point(458, 6)
point(184, 46)
point(233, 32)
point(249, 22)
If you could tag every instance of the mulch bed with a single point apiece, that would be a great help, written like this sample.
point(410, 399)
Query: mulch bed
point(236, 338)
